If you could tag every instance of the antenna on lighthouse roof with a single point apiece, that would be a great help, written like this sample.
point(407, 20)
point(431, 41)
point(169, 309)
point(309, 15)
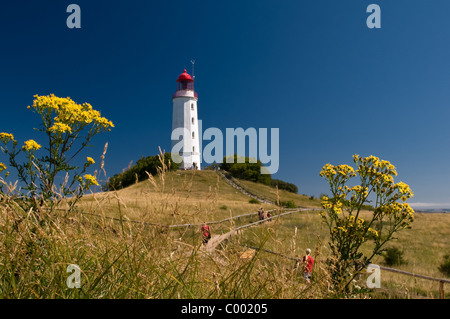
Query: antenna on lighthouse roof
point(193, 74)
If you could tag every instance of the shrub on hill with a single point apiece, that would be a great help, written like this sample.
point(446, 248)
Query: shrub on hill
point(138, 171)
point(289, 204)
point(252, 172)
point(394, 256)
point(445, 266)
point(285, 185)
point(242, 168)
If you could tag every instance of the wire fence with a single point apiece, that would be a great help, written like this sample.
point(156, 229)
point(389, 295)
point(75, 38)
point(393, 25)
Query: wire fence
point(441, 281)
point(125, 219)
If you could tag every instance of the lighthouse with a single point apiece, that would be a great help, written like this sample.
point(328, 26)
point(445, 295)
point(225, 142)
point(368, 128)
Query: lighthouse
point(185, 117)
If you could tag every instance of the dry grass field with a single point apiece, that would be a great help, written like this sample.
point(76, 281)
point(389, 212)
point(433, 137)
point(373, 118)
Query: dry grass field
point(177, 198)
point(123, 255)
point(197, 196)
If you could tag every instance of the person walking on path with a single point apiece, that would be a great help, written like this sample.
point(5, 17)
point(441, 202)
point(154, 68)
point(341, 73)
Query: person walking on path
point(206, 233)
point(261, 213)
point(308, 263)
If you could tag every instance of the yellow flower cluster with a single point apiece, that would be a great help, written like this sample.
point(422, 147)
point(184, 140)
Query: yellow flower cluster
point(6, 137)
point(351, 222)
point(31, 145)
point(348, 232)
point(398, 210)
point(351, 219)
point(358, 190)
point(345, 170)
point(381, 175)
point(2, 167)
point(328, 171)
point(90, 160)
point(340, 171)
point(373, 232)
point(404, 191)
point(354, 227)
point(334, 207)
point(373, 165)
point(60, 128)
point(90, 180)
point(341, 228)
point(69, 112)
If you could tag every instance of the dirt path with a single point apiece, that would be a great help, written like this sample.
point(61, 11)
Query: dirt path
point(242, 190)
point(215, 241)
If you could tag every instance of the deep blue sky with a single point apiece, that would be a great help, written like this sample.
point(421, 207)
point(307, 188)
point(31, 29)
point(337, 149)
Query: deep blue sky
point(311, 68)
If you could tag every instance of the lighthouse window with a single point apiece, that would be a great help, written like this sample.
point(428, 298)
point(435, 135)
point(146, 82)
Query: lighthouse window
point(192, 120)
point(193, 148)
point(193, 135)
point(192, 106)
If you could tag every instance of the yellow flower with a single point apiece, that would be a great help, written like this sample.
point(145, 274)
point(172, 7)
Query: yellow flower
point(346, 170)
point(69, 112)
point(90, 160)
point(373, 231)
point(328, 171)
point(408, 210)
point(31, 145)
point(91, 180)
point(6, 137)
point(104, 122)
point(342, 229)
point(60, 128)
point(2, 167)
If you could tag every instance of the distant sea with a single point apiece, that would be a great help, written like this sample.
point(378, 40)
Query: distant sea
point(432, 210)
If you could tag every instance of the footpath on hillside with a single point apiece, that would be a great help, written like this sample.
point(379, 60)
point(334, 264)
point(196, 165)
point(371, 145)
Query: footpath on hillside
point(217, 239)
point(242, 190)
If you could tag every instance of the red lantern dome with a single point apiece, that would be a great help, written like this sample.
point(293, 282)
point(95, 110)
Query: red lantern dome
point(185, 77)
point(185, 86)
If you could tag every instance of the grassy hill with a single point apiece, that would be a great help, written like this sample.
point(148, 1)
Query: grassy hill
point(195, 196)
point(123, 259)
point(270, 193)
point(424, 247)
point(186, 197)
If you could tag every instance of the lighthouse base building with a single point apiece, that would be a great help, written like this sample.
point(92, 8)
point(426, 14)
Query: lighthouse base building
point(185, 133)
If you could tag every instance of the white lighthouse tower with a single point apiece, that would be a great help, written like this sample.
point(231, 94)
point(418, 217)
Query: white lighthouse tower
point(185, 116)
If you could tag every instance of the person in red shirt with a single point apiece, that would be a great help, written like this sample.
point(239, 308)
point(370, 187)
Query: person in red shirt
point(308, 263)
point(206, 233)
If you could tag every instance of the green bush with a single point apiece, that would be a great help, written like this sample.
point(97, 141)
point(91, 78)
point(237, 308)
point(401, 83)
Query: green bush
point(289, 204)
point(247, 171)
point(284, 185)
point(445, 266)
point(253, 201)
point(394, 256)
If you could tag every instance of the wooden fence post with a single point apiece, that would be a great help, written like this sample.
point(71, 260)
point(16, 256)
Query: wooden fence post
point(441, 290)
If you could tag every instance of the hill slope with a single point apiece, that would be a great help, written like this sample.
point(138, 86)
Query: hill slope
point(185, 197)
point(196, 196)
